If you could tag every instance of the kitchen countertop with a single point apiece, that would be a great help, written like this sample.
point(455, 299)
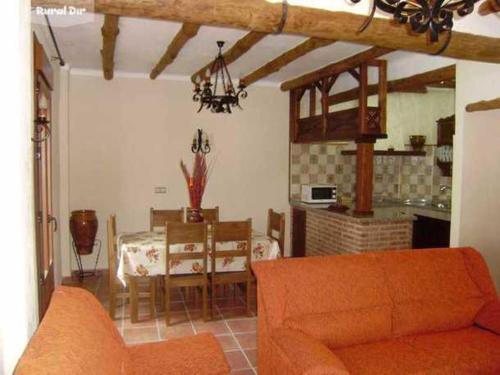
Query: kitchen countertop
point(383, 211)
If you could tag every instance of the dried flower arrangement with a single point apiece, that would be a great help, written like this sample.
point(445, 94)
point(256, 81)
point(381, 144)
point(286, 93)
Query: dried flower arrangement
point(197, 180)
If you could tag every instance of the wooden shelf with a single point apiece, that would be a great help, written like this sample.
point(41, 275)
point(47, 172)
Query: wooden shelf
point(388, 153)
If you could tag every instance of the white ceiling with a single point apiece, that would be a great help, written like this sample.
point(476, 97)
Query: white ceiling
point(141, 43)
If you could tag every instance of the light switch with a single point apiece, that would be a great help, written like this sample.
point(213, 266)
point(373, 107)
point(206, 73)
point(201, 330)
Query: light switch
point(160, 190)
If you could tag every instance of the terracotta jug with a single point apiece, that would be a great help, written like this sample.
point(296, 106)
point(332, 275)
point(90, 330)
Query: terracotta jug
point(83, 226)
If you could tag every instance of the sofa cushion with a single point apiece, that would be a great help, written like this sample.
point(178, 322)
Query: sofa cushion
point(466, 351)
point(301, 354)
point(424, 316)
point(390, 357)
point(489, 317)
point(331, 284)
point(345, 328)
point(200, 354)
point(432, 291)
point(76, 336)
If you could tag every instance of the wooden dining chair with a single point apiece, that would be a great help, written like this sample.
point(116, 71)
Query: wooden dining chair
point(209, 214)
point(186, 233)
point(116, 289)
point(276, 228)
point(237, 233)
point(158, 218)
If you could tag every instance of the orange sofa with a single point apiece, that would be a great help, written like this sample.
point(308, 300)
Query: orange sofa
point(395, 312)
point(77, 337)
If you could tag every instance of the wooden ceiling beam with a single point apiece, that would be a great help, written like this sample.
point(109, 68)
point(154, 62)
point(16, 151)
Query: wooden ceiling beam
point(234, 53)
point(335, 68)
point(285, 59)
point(187, 31)
point(109, 33)
point(488, 7)
point(265, 16)
point(415, 83)
point(483, 105)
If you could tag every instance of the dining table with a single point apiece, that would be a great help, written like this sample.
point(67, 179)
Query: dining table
point(144, 254)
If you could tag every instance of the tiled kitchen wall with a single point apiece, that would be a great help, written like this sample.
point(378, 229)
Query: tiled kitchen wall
point(394, 176)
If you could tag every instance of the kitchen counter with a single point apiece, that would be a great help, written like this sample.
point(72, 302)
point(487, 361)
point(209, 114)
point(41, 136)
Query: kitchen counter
point(319, 231)
point(386, 210)
point(380, 213)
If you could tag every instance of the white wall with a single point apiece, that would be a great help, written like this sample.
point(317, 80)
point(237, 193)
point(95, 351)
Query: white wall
point(128, 135)
point(476, 171)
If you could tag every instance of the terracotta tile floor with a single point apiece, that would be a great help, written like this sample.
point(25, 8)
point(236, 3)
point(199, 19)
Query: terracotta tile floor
point(235, 331)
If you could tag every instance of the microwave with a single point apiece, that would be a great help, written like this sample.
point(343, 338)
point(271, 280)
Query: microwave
point(318, 193)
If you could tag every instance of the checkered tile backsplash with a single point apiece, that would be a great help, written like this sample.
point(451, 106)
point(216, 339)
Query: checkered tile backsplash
point(394, 176)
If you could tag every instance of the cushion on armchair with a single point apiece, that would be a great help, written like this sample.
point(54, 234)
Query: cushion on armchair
point(489, 317)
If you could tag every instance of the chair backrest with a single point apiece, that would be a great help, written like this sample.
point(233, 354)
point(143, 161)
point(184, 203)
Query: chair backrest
point(276, 224)
point(238, 234)
point(158, 218)
point(186, 234)
point(209, 214)
point(111, 224)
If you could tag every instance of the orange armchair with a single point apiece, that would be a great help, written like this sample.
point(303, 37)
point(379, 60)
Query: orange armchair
point(77, 337)
point(392, 312)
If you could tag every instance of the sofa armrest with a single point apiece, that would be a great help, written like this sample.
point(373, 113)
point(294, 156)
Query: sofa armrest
point(297, 353)
point(489, 317)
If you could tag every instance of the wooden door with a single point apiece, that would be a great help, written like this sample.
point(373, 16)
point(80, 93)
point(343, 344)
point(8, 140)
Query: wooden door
point(45, 222)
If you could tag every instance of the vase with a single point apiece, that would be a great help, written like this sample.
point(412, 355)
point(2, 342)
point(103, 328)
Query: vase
point(194, 215)
point(83, 225)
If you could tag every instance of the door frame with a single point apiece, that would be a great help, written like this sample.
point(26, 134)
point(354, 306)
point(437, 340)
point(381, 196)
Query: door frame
point(45, 222)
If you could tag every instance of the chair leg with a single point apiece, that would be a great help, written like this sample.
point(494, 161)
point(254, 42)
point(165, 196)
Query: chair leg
point(205, 302)
point(112, 301)
point(167, 304)
point(249, 288)
point(134, 300)
point(152, 297)
point(160, 293)
point(212, 301)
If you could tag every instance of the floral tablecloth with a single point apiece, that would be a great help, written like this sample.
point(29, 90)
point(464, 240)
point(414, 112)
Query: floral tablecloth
point(143, 254)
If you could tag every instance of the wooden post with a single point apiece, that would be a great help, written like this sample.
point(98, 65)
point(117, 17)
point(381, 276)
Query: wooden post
point(363, 99)
point(312, 101)
point(294, 115)
point(382, 95)
point(324, 104)
point(364, 178)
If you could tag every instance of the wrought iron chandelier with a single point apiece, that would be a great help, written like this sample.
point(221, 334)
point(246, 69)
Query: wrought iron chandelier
point(209, 98)
point(435, 16)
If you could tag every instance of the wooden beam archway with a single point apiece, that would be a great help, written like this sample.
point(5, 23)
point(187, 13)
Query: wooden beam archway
point(285, 59)
point(265, 16)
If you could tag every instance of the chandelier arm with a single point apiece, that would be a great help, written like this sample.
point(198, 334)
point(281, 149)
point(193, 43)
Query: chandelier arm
point(368, 19)
point(445, 45)
point(284, 15)
point(216, 80)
